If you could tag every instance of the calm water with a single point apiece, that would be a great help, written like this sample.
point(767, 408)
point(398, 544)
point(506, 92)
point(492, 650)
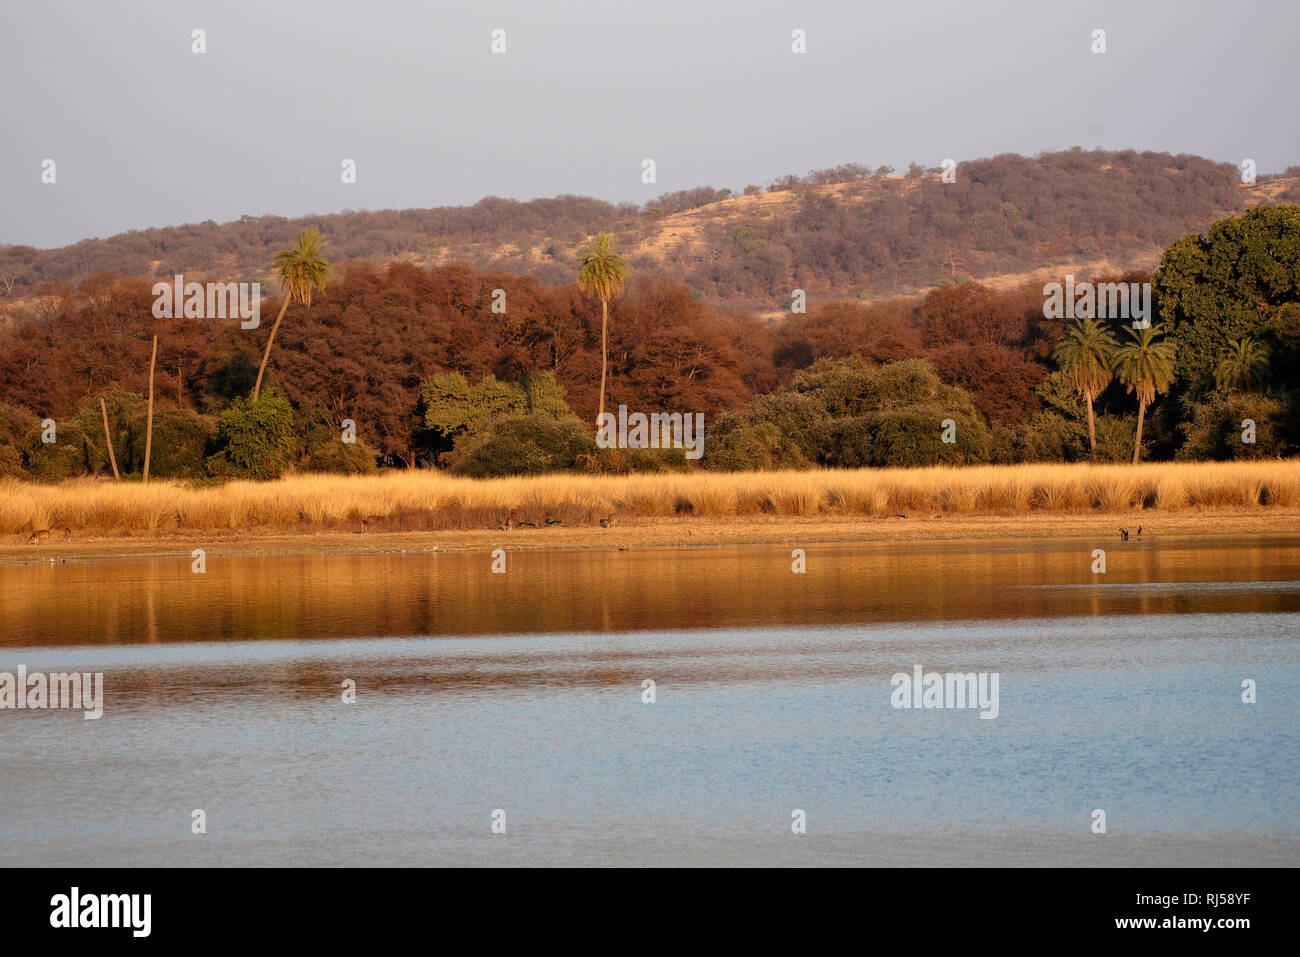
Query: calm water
point(523, 692)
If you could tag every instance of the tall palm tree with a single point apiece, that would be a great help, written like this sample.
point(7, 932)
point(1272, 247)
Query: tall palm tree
point(301, 270)
point(1147, 368)
point(1244, 366)
point(602, 275)
point(1086, 355)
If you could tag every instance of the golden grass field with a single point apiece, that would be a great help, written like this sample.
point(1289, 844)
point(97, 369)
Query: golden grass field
point(430, 501)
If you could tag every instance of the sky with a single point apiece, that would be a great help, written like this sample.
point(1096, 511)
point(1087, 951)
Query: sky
point(145, 132)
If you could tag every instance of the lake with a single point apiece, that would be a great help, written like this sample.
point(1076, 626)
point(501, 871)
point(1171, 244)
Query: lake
point(523, 692)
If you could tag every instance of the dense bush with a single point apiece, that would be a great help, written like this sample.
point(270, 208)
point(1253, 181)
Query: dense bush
point(1215, 428)
point(738, 443)
point(256, 439)
point(72, 453)
point(525, 445)
point(182, 441)
point(852, 413)
point(15, 423)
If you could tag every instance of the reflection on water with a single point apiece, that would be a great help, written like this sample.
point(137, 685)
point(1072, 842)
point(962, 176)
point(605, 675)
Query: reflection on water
point(523, 692)
point(455, 593)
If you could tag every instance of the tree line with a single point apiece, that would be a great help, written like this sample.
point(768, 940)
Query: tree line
point(498, 373)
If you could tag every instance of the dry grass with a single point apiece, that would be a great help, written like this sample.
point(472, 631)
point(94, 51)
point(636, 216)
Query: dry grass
point(406, 501)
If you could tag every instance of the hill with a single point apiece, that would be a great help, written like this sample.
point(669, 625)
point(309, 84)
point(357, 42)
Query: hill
point(847, 232)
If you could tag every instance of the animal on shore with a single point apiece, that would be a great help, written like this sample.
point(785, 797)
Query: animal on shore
point(511, 521)
point(527, 525)
point(899, 515)
point(365, 527)
point(609, 521)
point(39, 536)
point(553, 521)
point(1139, 534)
point(1123, 534)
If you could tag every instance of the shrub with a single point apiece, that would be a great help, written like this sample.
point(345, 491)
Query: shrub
point(1214, 428)
point(321, 439)
point(736, 444)
point(15, 423)
point(256, 439)
point(913, 438)
point(525, 445)
point(182, 441)
point(73, 453)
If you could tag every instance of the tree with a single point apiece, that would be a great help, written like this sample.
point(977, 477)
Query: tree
point(602, 275)
point(1243, 367)
point(1086, 355)
point(148, 432)
point(301, 270)
point(1010, 215)
point(1146, 367)
point(1237, 282)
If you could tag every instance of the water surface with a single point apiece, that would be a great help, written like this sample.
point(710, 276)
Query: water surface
point(523, 692)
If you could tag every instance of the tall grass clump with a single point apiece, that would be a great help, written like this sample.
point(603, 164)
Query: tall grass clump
point(434, 500)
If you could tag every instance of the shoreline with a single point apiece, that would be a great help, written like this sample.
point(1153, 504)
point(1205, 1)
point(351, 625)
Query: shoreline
point(928, 528)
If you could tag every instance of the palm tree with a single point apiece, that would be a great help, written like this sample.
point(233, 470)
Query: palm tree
point(1147, 368)
point(1244, 366)
point(1086, 355)
point(301, 270)
point(602, 275)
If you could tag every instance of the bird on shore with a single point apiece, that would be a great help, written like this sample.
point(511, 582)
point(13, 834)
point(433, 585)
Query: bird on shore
point(899, 515)
point(1123, 534)
point(526, 525)
point(608, 521)
point(553, 521)
point(1139, 534)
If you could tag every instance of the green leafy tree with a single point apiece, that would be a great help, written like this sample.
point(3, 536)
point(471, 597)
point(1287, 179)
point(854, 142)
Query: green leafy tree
point(1237, 282)
point(602, 275)
point(453, 407)
point(1146, 367)
point(1085, 354)
point(301, 270)
point(465, 416)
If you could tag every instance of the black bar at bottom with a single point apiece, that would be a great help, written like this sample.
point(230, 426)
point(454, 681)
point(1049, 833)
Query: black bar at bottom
point(300, 906)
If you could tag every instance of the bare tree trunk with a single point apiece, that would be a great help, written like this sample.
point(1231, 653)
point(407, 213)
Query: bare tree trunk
point(1137, 446)
point(109, 438)
point(1092, 430)
point(148, 432)
point(604, 352)
point(257, 387)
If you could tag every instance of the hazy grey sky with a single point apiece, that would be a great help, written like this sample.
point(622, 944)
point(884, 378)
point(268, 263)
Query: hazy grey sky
point(146, 133)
